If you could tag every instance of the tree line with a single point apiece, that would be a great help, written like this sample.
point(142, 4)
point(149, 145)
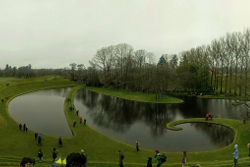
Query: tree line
point(219, 67)
point(28, 72)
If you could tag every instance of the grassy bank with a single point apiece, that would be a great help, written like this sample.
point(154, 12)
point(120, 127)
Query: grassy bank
point(219, 96)
point(101, 150)
point(136, 96)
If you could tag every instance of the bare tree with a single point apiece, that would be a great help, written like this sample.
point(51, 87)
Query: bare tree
point(245, 43)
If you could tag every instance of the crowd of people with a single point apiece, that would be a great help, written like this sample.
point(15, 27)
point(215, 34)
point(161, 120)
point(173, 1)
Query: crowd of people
point(24, 126)
point(71, 160)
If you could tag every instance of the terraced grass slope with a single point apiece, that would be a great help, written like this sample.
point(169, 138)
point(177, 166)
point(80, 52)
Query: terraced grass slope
point(101, 150)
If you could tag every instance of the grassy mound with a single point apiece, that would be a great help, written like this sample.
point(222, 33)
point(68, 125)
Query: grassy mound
point(135, 96)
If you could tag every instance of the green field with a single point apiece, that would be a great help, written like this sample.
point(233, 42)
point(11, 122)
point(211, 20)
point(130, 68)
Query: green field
point(101, 150)
point(136, 96)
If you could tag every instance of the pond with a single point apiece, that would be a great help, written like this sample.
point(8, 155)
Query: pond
point(42, 111)
point(130, 121)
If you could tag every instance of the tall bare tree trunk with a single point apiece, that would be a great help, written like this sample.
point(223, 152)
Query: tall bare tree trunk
point(226, 80)
point(221, 79)
point(241, 82)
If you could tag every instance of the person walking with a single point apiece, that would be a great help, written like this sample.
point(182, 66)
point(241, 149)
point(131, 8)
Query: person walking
point(39, 139)
point(80, 120)
point(235, 154)
point(40, 155)
point(26, 129)
point(36, 135)
point(74, 123)
point(158, 157)
point(54, 155)
point(184, 160)
point(20, 126)
point(137, 144)
point(121, 158)
point(149, 162)
point(60, 142)
point(85, 121)
point(77, 112)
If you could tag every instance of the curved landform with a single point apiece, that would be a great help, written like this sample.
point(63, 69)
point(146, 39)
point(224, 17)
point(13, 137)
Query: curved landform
point(135, 96)
point(217, 121)
point(101, 150)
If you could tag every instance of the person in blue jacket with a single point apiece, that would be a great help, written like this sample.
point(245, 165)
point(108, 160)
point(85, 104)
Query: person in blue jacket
point(235, 154)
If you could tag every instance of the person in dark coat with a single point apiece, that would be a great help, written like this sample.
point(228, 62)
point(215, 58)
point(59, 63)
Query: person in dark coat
point(137, 145)
point(20, 126)
point(121, 157)
point(60, 142)
point(24, 127)
point(85, 121)
point(211, 117)
point(76, 159)
point(54, 154)
point(36, 135)
point(27, 161)
point(2, 100)
point(40, 155)
point(77, 112)
point(149, 163)
point(74, 123)
point(83, 154)
point(40, 139)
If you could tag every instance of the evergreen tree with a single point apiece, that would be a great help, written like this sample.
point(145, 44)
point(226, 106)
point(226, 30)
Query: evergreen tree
point(174, 61)
point(184, 59)
point(161, 61)
point(7, 67)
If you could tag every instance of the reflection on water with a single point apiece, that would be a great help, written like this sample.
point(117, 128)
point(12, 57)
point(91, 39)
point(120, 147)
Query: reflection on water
point(129, 121)
point(42, 111)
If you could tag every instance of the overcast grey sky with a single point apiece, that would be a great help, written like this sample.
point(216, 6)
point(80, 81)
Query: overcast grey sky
point(55, 33)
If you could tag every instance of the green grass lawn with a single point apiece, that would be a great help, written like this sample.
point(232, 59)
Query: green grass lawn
point(136, 96)
point(101, 150)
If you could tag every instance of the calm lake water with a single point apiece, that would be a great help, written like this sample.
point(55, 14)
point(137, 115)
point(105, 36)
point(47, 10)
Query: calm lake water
point(42, 111)
point(130, 121)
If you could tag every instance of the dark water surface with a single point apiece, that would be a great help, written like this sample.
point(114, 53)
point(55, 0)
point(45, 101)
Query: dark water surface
point(42, 111)
point(128, 121)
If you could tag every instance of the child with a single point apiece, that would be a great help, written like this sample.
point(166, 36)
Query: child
point(149, 164)
point(235, 154)
point(184, 159)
